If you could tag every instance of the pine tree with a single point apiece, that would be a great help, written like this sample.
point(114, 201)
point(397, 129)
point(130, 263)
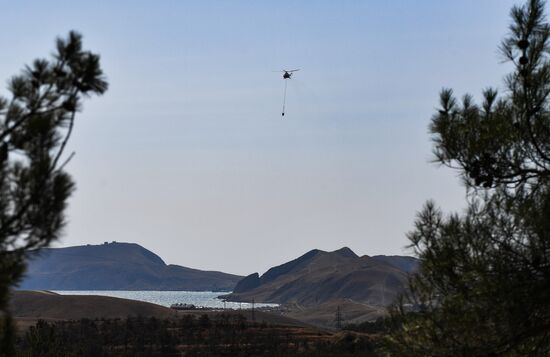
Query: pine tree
point(483, 288)
point(36, 122)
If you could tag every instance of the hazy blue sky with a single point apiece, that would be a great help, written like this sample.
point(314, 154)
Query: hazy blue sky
point(187, 153)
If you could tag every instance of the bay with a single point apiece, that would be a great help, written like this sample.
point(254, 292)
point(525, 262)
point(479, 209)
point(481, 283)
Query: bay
point(208, 299)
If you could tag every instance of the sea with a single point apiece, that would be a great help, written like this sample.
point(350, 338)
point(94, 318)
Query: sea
point(208, 299)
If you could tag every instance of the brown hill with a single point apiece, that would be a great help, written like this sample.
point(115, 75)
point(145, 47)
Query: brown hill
point(116, 266)
point(318, 277)
point(29, 306)
point(46, 305)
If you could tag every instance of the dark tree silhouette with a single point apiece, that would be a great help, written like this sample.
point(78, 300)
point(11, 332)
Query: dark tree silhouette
point(484, 282)
point(36, 122)
point(185, 337)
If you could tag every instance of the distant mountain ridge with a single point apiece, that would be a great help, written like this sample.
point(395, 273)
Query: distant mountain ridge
point(405, 263)
point(116, 266)
point(318, 277)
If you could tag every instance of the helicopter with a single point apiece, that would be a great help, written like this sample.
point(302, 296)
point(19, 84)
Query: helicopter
point(287, 74)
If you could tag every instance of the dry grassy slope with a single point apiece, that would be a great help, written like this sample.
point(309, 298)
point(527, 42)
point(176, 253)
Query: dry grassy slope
point(325, 314)
point(38, 304)
point(116, 266)
point(318, 277)
point(29, 306)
